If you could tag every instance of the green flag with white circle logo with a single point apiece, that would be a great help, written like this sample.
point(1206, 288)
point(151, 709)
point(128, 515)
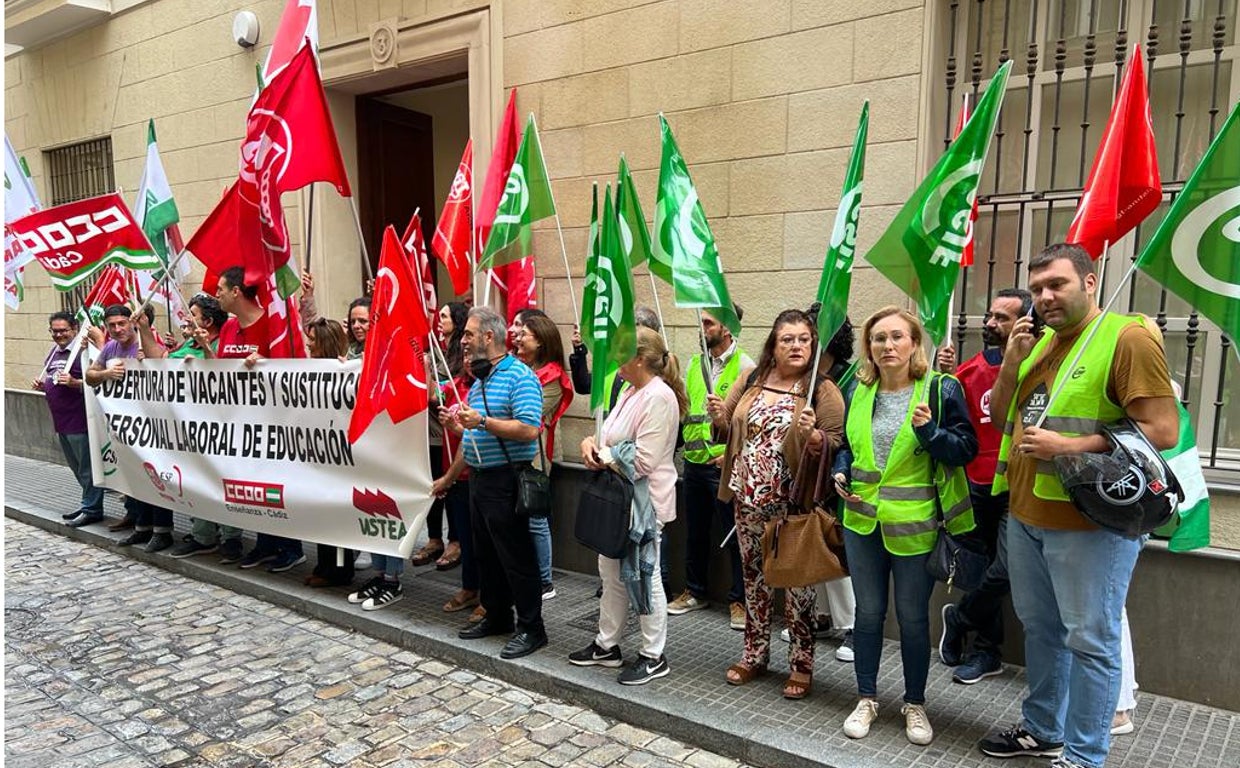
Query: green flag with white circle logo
point(609, 289)
point(836, 281)
point(527, 198)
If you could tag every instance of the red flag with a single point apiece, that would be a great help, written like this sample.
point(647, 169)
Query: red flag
point(966, 253)
point(111, 287)
point(518, 277)
point(393, 377)
point(289, 143)
point(415, 246)
point(1123, 186)
point(502, 155)
point(298, 22)
point(451, 241)
point(283, 322)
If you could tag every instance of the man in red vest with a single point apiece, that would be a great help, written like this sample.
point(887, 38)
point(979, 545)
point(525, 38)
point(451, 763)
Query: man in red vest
point(980, 611)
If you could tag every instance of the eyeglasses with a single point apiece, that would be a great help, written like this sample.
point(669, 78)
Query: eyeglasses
point(59, 331)
point(895, 336)
point(795, 341)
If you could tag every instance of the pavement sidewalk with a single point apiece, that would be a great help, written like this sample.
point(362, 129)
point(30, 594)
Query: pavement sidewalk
point(753, 723)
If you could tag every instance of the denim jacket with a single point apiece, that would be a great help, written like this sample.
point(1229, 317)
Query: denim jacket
point(637, 565)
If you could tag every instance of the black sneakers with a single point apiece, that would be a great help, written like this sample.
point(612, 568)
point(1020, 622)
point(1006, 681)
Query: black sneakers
point(368, 590)
point(644, 670)
point(593, 655)
point(951, 642)
point(1016, 741)
point(387, 593)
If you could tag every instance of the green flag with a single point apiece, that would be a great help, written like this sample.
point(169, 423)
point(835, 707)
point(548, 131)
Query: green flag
point(1190, 527)
point(920, 251)
point(634, 234)
point(1195, 252)
point(155, 210)
point(836, 280)
point(527, 198)
point(684, 240)
point(613, 333)
point(588, 294)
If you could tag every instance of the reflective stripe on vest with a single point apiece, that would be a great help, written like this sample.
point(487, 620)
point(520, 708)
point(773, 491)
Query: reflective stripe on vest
point(1082, 407)
point(899, 499)
point(699, 448)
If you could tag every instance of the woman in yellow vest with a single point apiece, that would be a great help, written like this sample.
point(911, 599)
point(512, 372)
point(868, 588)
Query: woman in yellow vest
point(907, 439)
point(766, 423)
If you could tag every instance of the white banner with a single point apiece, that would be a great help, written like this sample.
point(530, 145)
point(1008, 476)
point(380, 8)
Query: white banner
point(263, 449)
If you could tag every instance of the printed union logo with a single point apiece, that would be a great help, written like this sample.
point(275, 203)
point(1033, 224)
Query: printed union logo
point(253, 493)
point(1079, 372)
point(375, 503)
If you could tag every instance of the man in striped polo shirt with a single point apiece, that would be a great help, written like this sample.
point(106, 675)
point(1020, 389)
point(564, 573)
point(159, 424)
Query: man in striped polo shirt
point(499, 426)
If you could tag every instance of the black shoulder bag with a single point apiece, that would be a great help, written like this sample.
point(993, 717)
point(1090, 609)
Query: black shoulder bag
point(952, 561)
point(533, 484)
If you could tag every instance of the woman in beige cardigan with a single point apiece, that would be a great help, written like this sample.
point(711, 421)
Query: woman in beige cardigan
point(767, 425)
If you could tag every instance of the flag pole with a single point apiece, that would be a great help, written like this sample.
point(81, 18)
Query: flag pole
point(357, 222)
point(658, 309)
point(309, 227)
point(1102, 271)
point(710, 385)
point(568, 273)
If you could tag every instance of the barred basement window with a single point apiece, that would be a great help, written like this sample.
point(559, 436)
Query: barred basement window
point(76, 172)
point(1069, 57)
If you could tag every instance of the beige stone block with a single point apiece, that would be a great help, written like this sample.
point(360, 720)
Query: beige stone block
point(630, 36)
point(750, 243)
point(871, 291)
point(572, 201)
point(342, 15)
point(731, 131)
point(828, 118)
point(891, 173)
point(603, 143)
point(715, 23)
point(562, 151)
point(12, 72)
point(544, 55)
point(521, 16)
point(440, 8)
point(807, 233)
point(787, 182)
point(892, 46)
point(818, 13)
point(681, 82)
point(817, 58)
point(585, 99)
point(711, 180)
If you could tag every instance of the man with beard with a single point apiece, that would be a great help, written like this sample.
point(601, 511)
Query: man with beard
point(500, 423)
point(980, 611)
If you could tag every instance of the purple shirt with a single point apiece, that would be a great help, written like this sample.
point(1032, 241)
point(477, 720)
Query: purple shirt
point(67, 404)
point(114, 350)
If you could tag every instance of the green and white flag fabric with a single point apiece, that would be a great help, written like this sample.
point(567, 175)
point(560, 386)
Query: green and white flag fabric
point(588, 294)
point(1195, 252)
point(613, 332)
point(684, 240)
point(920, 251)
point(634, 234)
point(527, 198)
point(20, 198)
point(155, 210)
point(1190, 527)
point(836, 281)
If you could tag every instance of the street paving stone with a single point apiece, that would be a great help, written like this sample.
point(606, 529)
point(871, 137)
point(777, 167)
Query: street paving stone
point(150, 668)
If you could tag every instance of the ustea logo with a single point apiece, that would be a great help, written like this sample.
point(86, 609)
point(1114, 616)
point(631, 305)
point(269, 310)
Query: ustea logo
point(254, 494)
point(383, 519)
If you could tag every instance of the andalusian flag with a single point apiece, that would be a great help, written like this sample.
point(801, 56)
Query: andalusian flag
point(20, 198)
point(527, 198)
point(1190, 527)
point(684, 240)
point(155, 209)
point(612, 331)
point(836, 280)
point(921, 250)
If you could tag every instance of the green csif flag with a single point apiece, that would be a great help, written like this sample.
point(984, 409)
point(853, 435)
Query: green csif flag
point(920, 251)
point(836, 281)
point(1195, 252)
point(684, 240)
point(588, 293)
point(613, 333)
point(527, 198)
point(634, 234)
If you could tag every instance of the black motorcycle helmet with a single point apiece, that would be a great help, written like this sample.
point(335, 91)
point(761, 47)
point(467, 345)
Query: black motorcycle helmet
point(1130, 490)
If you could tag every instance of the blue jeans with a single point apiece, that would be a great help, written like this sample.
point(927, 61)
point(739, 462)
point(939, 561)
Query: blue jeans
point(540, 530)
point(872, 567)
point(1068, 588)
point(77, 452)
point(391, 565)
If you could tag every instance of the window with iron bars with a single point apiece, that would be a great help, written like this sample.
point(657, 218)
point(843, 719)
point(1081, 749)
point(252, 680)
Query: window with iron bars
point(77, 172)
point(1069, 57)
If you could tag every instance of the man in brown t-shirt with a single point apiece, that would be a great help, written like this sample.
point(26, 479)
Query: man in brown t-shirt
point(1069, 577)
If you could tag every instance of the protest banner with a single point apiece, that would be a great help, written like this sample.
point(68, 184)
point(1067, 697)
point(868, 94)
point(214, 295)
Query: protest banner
point(265, 449)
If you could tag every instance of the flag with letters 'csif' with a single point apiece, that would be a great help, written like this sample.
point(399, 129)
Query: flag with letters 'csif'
point(608, 326)
point(921, 249)
point(836, 281)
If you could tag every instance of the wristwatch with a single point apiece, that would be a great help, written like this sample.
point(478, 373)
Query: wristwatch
point(482, 424)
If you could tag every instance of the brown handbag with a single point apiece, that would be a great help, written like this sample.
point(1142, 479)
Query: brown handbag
point(802, 548)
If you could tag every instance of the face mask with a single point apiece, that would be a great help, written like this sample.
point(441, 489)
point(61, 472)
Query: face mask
point(480, 368)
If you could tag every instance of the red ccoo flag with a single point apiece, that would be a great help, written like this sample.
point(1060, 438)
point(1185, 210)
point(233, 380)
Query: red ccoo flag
point(966, 253)
point(393, 375)
point(415, 246)
point(289, 143)
point(451, 241)
point(515, 279)
point(1123, 186)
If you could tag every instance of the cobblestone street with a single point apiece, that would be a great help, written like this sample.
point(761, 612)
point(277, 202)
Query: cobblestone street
point(109, 662)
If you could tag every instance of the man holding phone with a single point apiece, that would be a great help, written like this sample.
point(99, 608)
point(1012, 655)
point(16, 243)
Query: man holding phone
point(980, 611)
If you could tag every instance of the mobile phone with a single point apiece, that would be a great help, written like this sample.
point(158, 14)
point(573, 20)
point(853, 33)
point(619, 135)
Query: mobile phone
point(1036, 330)
point(845, 486)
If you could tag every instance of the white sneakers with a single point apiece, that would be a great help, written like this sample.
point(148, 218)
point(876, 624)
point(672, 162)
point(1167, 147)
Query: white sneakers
point(916, 722)
point(857, 726)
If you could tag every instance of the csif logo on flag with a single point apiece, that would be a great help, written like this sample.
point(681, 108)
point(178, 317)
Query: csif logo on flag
point(844, 233)
point(514, 187)
point(382, 519)
point(947, 211)
point(1198, 235)
point(608, 314)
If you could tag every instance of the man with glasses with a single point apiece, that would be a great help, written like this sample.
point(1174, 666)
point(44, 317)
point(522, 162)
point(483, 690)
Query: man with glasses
point(61, 382)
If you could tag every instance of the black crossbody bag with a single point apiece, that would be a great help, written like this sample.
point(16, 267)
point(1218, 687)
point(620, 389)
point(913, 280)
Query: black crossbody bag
point(533, 484)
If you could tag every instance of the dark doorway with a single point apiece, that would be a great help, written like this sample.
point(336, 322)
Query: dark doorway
point(396, 171)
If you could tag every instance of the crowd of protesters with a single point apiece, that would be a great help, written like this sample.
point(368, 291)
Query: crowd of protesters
point(912, 448)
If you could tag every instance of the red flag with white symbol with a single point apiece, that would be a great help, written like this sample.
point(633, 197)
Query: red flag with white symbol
point(451, 241)
point(299, 23)
point(112, 286)
point(1124, 185)
point(393, 375)
point(415, 246)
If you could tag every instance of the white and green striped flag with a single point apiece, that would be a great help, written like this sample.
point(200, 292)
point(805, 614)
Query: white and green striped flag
point(156, 212)
point(1190, 528)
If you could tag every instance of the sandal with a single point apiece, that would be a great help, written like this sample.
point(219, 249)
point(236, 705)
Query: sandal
point(741, 673)
point(451, 558)
point(478, 615)
point(463, 599)
point(427, 554)
point(798, 689)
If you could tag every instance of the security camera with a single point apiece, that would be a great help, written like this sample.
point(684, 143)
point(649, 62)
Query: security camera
point(245, 29)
